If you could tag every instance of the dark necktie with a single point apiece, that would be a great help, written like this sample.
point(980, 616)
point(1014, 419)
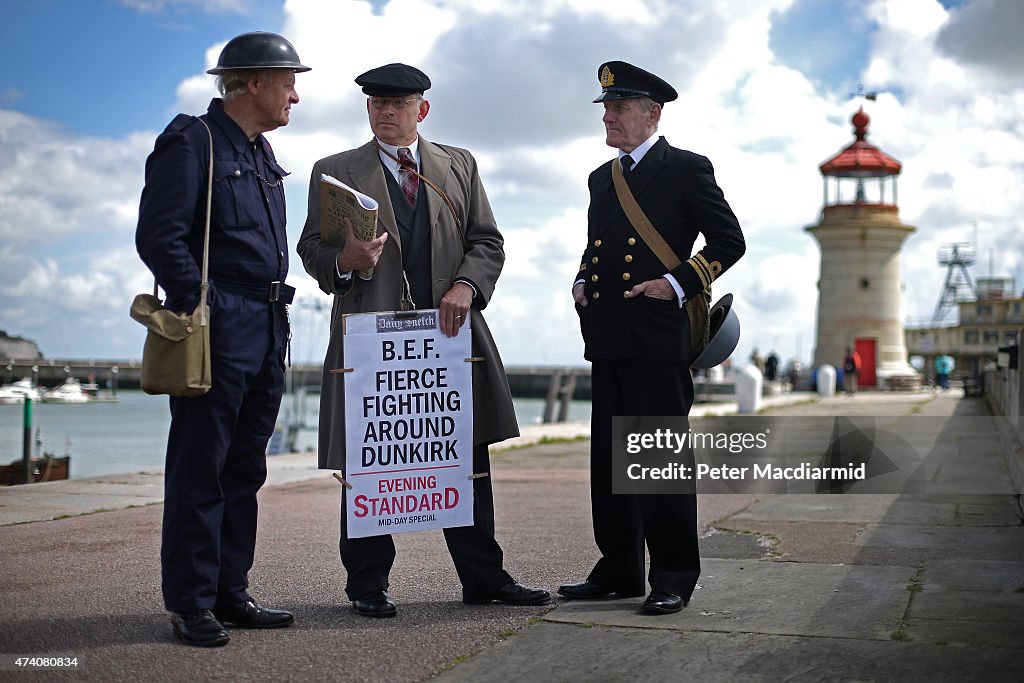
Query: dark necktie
point(410, 181)
point(627, 164)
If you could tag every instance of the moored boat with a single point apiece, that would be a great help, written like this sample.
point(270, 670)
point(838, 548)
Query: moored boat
point(46, 468)
point(16, 392)
point(69, 392)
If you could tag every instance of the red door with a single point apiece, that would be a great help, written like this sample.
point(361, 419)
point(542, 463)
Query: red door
point(866, 349)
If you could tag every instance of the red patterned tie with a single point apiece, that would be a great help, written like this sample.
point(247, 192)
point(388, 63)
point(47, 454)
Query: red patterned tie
point(410, 181)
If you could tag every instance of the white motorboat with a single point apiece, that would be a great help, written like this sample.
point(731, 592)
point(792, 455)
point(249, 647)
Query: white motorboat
point(16, 392)
point(69, 392)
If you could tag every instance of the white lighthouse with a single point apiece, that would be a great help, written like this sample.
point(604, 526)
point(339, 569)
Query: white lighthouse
point(860, 286)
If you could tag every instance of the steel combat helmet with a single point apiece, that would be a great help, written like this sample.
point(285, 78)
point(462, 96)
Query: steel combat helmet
point(258, 50)
point(724, 335)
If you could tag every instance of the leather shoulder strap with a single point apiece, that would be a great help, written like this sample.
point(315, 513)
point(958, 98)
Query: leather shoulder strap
point(432, 185)
point(640, 222)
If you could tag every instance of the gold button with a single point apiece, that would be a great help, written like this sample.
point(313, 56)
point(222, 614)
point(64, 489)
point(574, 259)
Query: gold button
point(597, 243)
point(631, 241)
point(238, 174)
point(626, 294)
point(593, 260)
point(629, 258)
point(593, 278)
point(597, 295)
point(625, 276)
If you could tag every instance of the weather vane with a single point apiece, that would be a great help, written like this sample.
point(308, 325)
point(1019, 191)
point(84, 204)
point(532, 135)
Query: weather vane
point(869, 95)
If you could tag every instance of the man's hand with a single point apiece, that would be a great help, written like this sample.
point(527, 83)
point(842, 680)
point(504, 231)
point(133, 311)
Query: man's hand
point(358, 254)
point(578, 295)
point(654, 289)
point(455, 307)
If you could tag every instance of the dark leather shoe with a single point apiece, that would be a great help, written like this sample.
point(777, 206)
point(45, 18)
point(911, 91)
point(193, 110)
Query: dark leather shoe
point(199, 627)
point(663, 603)
point(376, 605)
point(250, 615)
point(513, 593)
point(589, 590)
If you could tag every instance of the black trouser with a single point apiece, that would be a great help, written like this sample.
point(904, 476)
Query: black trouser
point(477, 555)
point(622, 522)
point(216, 456)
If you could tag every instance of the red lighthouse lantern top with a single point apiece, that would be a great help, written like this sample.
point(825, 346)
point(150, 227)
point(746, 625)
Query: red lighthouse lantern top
point(861, 159)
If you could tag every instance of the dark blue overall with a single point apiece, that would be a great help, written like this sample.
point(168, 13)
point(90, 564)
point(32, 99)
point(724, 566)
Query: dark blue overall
point(216, 449)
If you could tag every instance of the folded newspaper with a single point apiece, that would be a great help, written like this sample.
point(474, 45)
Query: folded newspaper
point(338, 201)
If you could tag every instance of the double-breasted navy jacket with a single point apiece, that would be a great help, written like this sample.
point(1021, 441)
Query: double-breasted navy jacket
point(677, 191)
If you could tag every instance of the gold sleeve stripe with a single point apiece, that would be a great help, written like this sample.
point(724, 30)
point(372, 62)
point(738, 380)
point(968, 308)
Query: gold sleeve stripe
point(697, 263)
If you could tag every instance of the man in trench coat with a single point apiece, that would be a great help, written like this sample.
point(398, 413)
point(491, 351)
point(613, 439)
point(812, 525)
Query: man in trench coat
point(420, 256)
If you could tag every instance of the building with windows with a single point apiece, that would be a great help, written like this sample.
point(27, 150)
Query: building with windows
point(994, 319)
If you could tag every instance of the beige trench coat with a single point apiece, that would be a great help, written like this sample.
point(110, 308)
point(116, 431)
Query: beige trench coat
point(455, 171)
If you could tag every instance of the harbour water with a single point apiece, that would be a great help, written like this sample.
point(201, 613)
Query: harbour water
point(131, 434)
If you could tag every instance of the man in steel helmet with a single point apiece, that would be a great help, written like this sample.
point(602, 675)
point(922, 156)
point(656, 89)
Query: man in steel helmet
point(216, 449)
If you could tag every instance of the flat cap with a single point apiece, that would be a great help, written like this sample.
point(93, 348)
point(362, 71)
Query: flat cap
point(392, 80)
point(621, 80)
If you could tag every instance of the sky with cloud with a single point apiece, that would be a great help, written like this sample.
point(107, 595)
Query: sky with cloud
point(766, 92)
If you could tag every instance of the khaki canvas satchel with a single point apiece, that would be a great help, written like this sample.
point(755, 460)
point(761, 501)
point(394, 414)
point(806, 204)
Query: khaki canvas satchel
point(698, 307)
point(176, 356)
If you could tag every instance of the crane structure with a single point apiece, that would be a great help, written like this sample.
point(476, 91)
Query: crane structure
point(959, 286)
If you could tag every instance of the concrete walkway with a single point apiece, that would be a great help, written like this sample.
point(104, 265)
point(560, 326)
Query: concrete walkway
point(854, 587)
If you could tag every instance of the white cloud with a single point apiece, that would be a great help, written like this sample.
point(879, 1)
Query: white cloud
point(513, 82)
point(212, 6)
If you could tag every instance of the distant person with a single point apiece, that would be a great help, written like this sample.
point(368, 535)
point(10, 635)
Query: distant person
point(794, 374)
point(851, 371)
point(771, 367)
point(757, 360)
point(420, 259)
point(637, 332)
point(944, 365)
point(216, 450)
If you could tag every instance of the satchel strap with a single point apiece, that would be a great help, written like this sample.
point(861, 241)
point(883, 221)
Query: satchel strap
point(447, 202)
point(204, 286)
point(641, 223)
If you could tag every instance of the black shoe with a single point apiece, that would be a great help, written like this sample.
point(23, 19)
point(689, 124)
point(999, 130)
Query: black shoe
point(663, 603)
point(199, 627)
point(375, 605)
point(589, 590)
point(513, 593)
point(250, 615)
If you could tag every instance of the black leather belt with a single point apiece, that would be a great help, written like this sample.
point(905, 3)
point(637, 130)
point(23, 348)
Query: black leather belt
point(274, 292)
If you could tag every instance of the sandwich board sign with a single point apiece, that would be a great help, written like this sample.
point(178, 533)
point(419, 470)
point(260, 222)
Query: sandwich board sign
point(408, 423)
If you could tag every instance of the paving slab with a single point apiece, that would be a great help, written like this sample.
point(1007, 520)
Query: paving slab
point(819, 508)
point(1006, 607)
point(975, 575)
point(558, 653)
point(969, 636)
point(779, 598)
point(988, 542)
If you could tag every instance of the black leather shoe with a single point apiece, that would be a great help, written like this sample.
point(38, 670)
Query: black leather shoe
point(376, 605)
point(199, 627)
point(663, 603)
point(589, 590)
point(250, 615)
point(513, 593)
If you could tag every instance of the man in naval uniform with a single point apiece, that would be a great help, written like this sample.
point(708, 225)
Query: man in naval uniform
point(636, 331)
point(425, 256)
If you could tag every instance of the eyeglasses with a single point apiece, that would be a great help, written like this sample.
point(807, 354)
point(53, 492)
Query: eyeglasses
point(395, 102)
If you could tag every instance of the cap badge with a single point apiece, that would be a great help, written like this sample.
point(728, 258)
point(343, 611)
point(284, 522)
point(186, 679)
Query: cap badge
point(607, 77)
